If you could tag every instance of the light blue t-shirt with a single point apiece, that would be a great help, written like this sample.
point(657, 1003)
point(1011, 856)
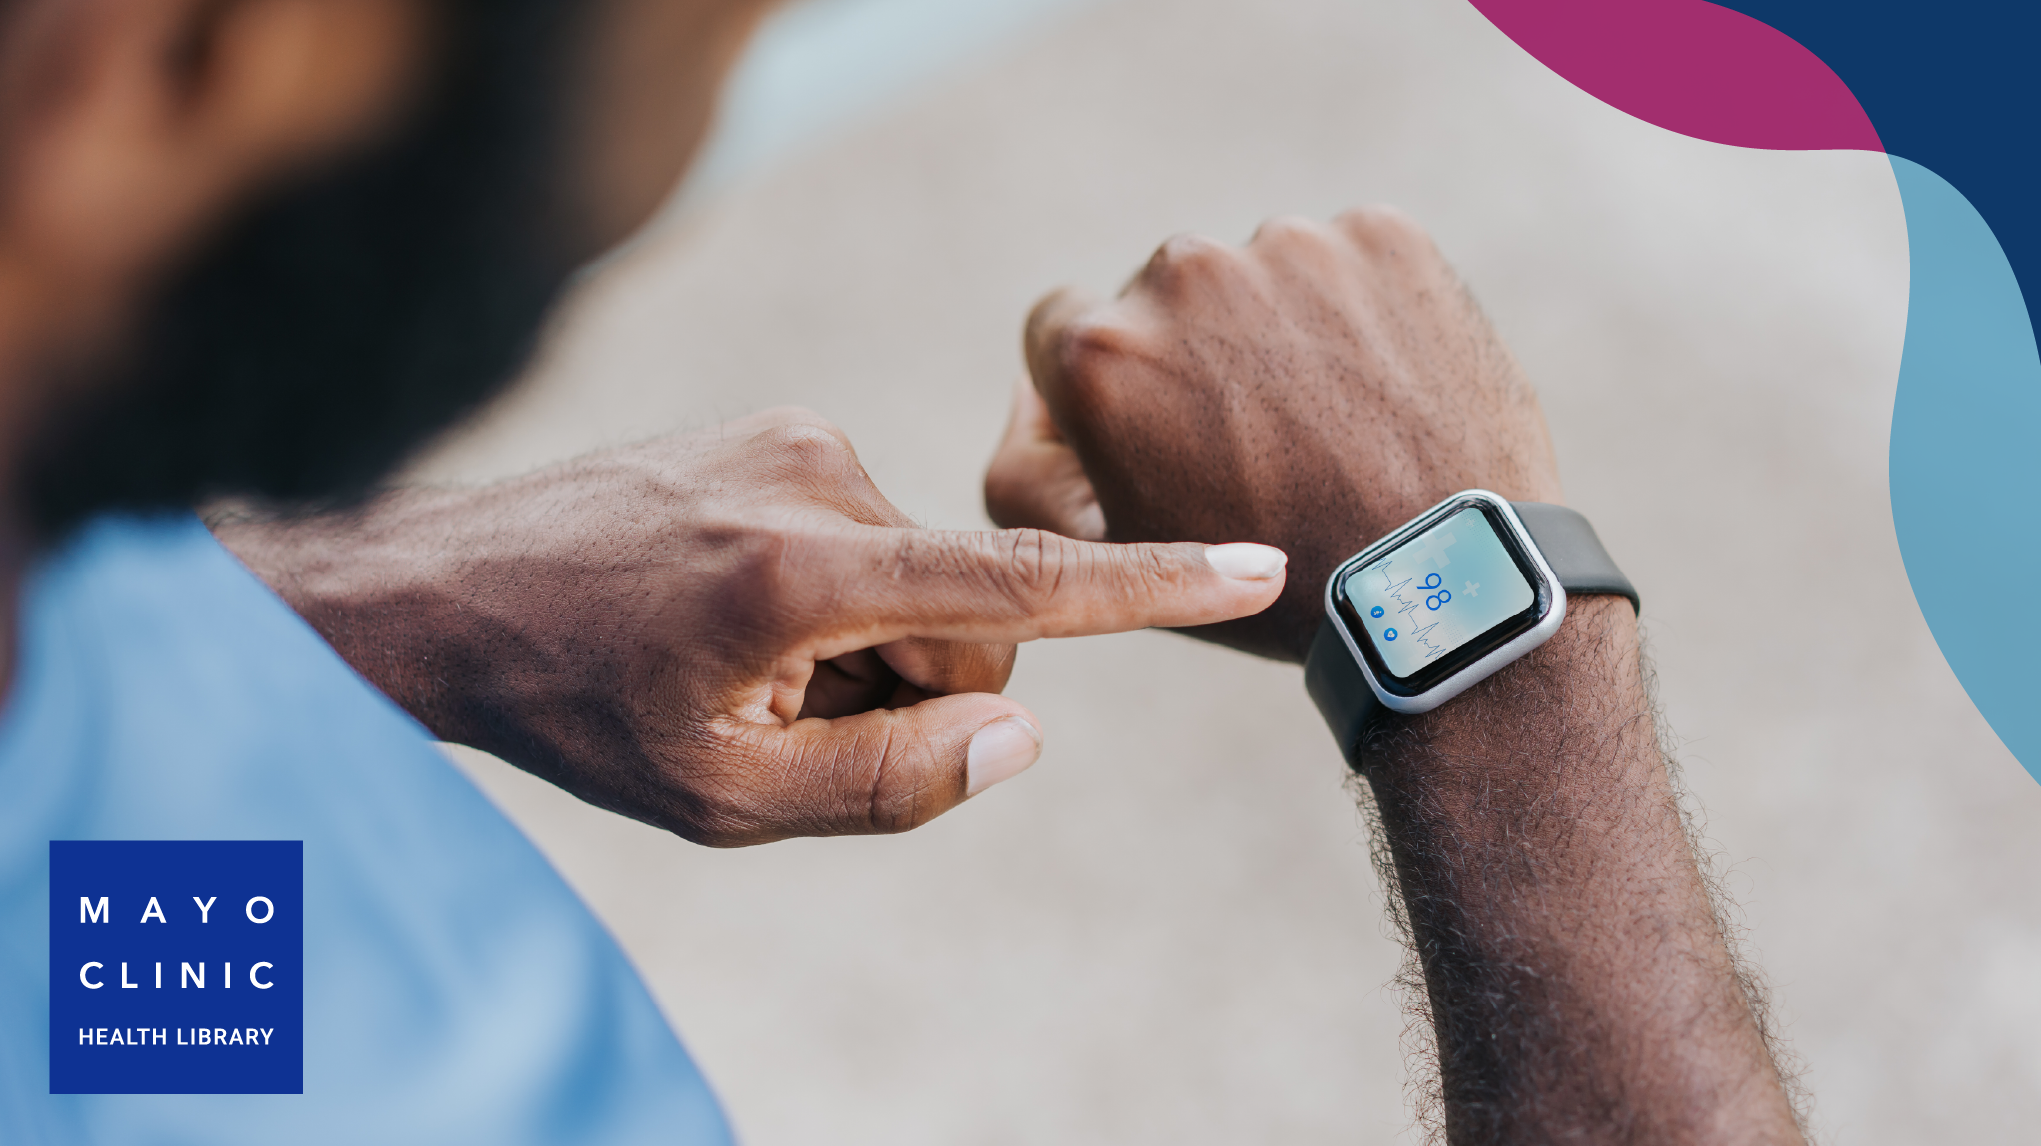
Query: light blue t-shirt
point(456, 991)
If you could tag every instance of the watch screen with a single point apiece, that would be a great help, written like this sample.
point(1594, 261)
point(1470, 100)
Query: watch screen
point(1436, 592)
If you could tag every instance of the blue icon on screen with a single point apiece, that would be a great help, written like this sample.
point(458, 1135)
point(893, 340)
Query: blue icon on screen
point(1375, 612)
point(1388, 634)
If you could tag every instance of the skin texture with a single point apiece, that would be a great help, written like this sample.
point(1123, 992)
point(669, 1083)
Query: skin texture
point(1314, 389)
point(732, 635)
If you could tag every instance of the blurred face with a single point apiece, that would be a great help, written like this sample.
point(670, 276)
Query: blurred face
point(299, 332)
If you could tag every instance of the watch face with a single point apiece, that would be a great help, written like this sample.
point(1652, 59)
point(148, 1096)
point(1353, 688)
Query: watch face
point(1441, 599)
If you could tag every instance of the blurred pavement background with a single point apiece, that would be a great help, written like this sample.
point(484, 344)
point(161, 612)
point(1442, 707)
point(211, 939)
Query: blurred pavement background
point(1168, 931)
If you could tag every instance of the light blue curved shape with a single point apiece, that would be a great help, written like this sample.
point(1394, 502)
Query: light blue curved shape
point(1966, 458)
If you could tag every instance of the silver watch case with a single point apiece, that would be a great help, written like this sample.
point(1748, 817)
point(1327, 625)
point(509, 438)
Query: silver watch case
point(1547, 590)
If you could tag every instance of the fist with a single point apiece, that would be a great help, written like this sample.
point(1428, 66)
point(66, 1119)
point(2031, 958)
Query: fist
point(1312, 391)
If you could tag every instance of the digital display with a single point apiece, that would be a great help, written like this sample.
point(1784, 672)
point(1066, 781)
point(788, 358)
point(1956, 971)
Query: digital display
point(1437, 591)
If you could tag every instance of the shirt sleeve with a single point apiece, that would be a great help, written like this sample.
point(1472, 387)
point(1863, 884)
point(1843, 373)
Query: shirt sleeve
point(456, 990)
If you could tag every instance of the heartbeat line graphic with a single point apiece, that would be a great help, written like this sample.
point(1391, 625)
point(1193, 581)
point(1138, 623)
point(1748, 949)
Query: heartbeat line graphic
point(1405, 607)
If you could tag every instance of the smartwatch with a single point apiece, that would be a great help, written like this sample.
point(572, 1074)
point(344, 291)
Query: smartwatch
point(1463, 589)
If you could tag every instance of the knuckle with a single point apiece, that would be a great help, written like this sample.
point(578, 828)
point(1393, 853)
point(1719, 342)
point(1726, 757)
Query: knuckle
point(741, 788)
point(1091, 356)
point(1190, 256)
point(791, 415)
point(1053, 309)
point(1092, 341)
point(885, 778)
point(903, 791)
point(1379, 224)
point(1290, 230)
point(1146, 571)
point(802, 438)
point(801, 449)
point(1030, 568)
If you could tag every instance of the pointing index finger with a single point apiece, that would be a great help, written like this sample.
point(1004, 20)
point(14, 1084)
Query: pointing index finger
point(1022, 584)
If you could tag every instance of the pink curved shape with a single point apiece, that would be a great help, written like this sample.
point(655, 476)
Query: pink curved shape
point(1696, 68)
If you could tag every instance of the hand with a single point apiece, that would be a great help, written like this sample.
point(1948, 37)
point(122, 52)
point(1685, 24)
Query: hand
point(1312, 390)
point(732, 635)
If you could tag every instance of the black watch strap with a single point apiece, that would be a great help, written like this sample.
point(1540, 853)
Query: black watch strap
point(1570, 547)
point(1574, 552)
point(1339, 690)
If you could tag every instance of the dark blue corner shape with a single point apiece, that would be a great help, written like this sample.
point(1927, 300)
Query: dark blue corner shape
point(1951, 85)
point(177, 967)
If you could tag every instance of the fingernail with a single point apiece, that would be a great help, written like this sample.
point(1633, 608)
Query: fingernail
point(1246, 562)
point(1000, 751)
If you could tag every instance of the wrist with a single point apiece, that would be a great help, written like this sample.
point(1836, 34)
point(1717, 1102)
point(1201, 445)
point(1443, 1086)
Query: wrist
point(442, 600)
point(1567, 708)
point(364, 581)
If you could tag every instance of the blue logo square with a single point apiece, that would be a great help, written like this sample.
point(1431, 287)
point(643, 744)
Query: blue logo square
point(177, 967)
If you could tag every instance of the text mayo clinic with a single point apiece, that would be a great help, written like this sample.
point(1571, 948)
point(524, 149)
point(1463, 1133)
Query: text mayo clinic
point(258, 909)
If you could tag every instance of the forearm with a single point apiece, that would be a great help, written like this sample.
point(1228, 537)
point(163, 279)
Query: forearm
point(1581, 988)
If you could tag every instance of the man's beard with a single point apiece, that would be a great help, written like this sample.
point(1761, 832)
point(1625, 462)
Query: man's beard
point(330, 330)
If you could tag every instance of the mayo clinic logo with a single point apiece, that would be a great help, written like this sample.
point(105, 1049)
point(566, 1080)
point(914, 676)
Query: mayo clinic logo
point(177, 967)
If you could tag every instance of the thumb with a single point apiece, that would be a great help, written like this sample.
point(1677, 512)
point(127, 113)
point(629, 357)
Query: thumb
point(889, 770)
